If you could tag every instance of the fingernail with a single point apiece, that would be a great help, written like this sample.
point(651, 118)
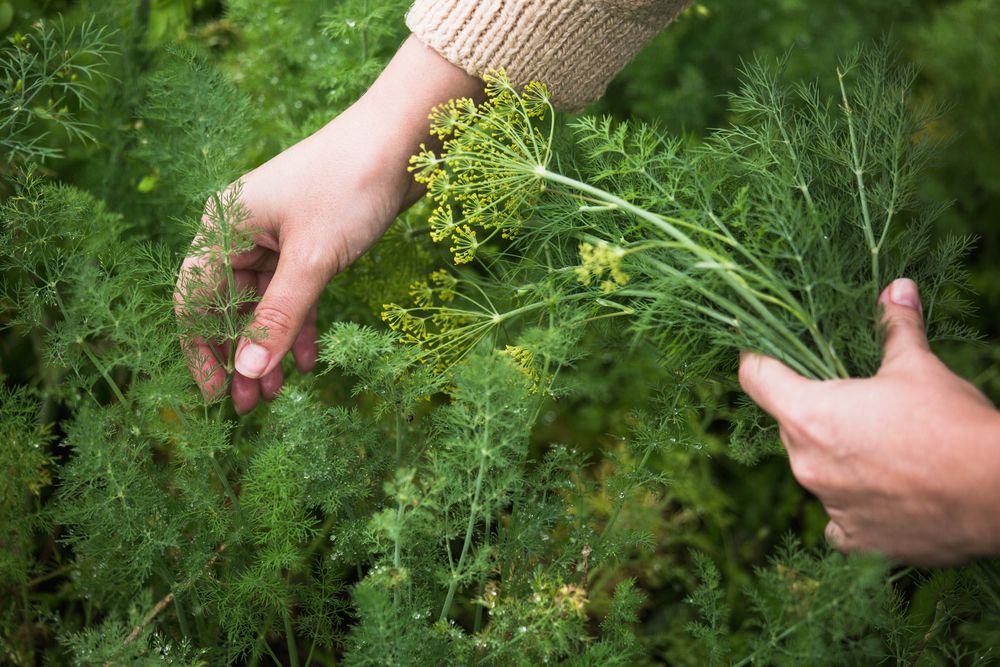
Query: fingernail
point(903, 292)
point(251, 361)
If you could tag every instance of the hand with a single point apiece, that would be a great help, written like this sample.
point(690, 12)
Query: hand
point(317, 207)
point(907, 463)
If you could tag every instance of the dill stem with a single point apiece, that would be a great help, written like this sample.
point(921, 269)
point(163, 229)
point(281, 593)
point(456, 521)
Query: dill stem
point(478, 623)
point(270, 651)
point(828, 369)
point(293, 649)
point(397, 547)
point(115, 389)
point(312, 649)
point(453, 585)
point(27, 620)
point(256, 654)
point(53, 574)
point(104, 372)
point(230, 311)
point(621, 501)
point(618, 506)
point(856, 166)
point(227, 487)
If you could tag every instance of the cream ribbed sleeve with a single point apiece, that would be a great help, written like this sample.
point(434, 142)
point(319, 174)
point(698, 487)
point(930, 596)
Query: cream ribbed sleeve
point(574, 46)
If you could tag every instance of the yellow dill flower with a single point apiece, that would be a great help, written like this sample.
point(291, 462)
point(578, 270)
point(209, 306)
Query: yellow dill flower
point(445, 283)
point(487, 173)
point(442, 222)
point(452, 116)
point(598, 260)
point(572, 598)
point(466, 244)
point(421, 293)
point(525, 360)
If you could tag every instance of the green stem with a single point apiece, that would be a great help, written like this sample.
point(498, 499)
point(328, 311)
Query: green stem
point(857, 168)
point(230, 312)
point(710, 258)
point(642, 464)
point(478, 623)
point(468, 540)
point(274, 656)
point(104, 372)
point(261, 641)
point(58, 572)
point(233, 499)
point(397, 537)
point(312, 649)
point(293, 649)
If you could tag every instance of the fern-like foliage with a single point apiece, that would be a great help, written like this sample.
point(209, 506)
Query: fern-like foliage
point(47, 77)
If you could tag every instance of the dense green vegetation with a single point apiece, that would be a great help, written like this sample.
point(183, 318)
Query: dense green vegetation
point(524, 443)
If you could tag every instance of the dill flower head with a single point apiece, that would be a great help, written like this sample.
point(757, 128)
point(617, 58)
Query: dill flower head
point(599, 259)
point(487, 171)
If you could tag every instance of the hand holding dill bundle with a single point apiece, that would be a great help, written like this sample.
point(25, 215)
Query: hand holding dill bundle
point(776, 234)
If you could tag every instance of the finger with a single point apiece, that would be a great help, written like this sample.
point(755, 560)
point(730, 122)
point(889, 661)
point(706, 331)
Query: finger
point(245, 392)
point(278, 318)
point(772, 385)
point(305, 349)
point(836, 536)
point(246, 287)
point(270, 384)
point(204, 367)
point(258, 260)
point(903, 320)
point(196, 293)
point(202, 364)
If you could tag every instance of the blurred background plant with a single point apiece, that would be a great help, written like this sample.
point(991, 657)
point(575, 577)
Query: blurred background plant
point(571, 497)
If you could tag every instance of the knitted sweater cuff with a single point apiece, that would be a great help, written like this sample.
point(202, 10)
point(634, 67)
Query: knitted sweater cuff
point(574, 47)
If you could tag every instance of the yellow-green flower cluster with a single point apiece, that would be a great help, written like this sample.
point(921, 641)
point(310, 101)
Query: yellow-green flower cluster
point(486, 174)
point(445, 332)
point(598, 260)
point(525, 360)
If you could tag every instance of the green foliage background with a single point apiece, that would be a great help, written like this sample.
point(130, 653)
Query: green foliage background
point(608, 523)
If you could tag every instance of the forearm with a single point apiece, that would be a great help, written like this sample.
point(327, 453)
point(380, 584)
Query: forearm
point(398, 103)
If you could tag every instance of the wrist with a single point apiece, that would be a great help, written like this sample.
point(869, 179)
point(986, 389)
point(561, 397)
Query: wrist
point(397, 105)
point(415, 80)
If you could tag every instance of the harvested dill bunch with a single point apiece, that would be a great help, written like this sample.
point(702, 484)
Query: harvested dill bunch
point(776, 234)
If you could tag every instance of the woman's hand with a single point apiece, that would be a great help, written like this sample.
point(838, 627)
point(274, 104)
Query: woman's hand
point(907, 463)
point(314, 209)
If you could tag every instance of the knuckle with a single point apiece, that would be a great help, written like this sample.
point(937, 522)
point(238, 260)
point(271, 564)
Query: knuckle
point(313, 260)
point(809, 425)
point(273, 320)
point(807, 471)
point(747, 376)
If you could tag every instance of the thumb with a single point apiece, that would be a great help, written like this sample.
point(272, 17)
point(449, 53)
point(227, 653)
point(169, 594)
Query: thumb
point(771, 384)
point(903, 319)
point(280, 314)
